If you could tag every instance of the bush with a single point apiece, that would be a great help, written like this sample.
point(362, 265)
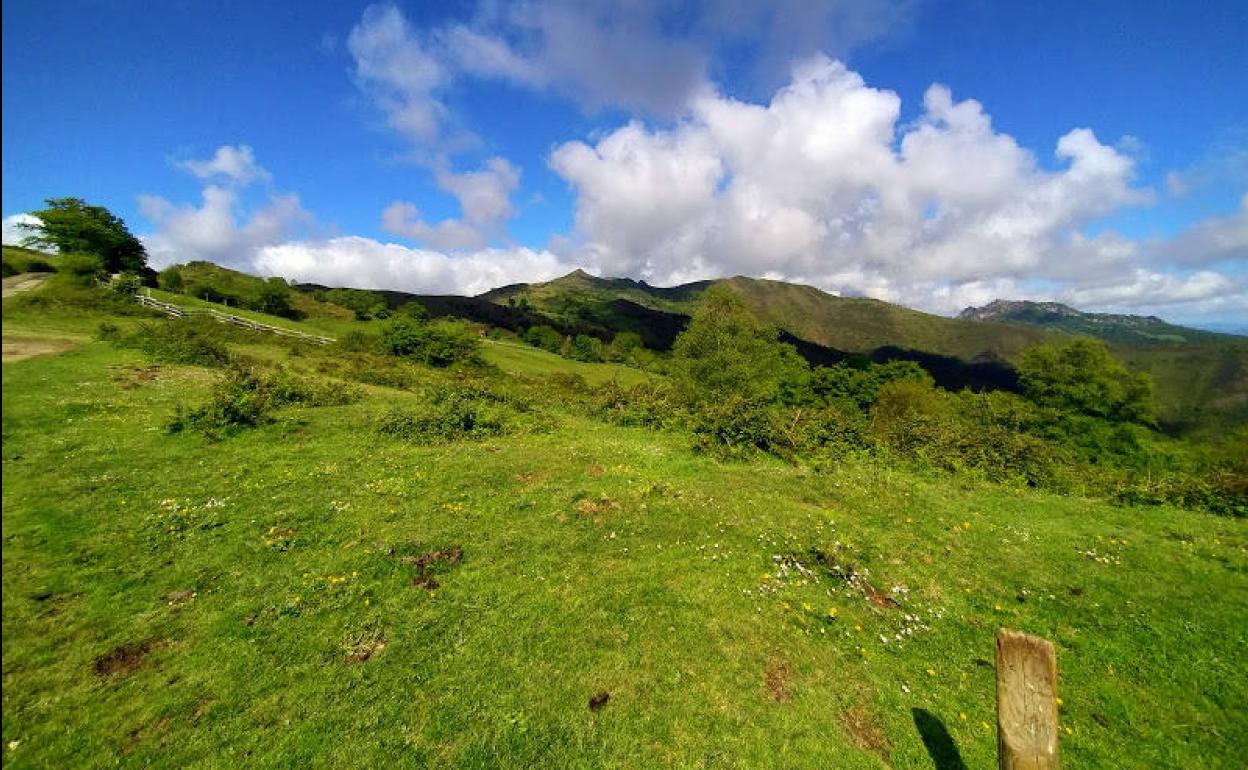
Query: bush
point(860, 382)
point(586, 348)
point(725, 353)
point(81, 269)
point(543, 337)
point(180, 341)
point(366, 305)
point(440, 343)
point(245, 398)
point(359, 341)
point(650, 404)
point(126, 284)
point(170, 279)
point(1085, 378)
point(454, 414)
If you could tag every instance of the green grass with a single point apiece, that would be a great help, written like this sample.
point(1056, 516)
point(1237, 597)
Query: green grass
point(595, 558)
point(521, 359)
point(18, 259)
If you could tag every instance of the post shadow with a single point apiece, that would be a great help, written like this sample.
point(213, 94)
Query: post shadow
point(939, 742)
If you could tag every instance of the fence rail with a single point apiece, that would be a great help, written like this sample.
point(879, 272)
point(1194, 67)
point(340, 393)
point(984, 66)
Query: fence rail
point(177, 311)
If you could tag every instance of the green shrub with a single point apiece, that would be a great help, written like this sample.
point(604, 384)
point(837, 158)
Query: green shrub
point(180, 341)
point(649, 404)
point(81, 269)
point(586, 348)
point(359, 341)
point(126, 284)
point(170, 279)
point(1084, 378)
point(440, 343)
point(725, 353)
point(246, 398)
point(543, 337)
point(453, 414)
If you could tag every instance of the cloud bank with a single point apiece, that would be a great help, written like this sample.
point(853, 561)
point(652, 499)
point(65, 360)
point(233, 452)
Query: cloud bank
point(819, 182)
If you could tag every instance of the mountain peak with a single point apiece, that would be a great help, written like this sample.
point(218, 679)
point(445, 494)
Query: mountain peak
point(1132, 329)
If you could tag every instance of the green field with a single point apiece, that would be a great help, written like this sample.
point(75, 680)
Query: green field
point(312, 592)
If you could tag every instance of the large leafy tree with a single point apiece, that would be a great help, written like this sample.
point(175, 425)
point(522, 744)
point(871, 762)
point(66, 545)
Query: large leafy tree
point(726, 352)
point(72, 225)
point(1084, 377)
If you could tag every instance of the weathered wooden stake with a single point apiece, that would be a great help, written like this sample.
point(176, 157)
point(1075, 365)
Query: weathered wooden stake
point(1026, 702)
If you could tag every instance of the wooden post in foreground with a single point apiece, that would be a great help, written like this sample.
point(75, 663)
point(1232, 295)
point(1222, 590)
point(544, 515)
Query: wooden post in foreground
point(1026, 702)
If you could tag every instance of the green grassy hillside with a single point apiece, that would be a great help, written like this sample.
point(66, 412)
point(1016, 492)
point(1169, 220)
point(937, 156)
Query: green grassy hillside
point(571, 593)
point(22, 260)
point(861, 325)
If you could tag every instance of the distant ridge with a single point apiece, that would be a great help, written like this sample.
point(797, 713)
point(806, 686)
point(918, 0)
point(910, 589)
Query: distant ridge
point(1112, 327)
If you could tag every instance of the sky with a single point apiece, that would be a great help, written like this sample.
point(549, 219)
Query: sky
point(933, 153)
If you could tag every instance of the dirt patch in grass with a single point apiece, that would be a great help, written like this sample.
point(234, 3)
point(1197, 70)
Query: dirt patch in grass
point(597, 702)
point(529, 479)
point(137, 376)
point(778, 676)
point(124, 659)
point(865, 730)
point(20, 348)
point(427, 564)
point(366, 645)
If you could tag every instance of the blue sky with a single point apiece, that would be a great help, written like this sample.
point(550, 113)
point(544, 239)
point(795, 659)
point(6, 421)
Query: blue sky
point(440, 147)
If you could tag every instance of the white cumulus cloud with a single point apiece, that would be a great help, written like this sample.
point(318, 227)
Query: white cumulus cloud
point(233, 163)
point(484, 198)
point(14, 233)
point(368, 264)
point(214, 231)
point(822, 184)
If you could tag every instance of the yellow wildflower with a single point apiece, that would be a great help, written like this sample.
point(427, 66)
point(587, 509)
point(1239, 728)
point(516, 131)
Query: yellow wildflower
point(832, 612)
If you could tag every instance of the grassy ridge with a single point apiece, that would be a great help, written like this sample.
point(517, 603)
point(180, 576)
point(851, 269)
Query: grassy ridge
point(168, 601)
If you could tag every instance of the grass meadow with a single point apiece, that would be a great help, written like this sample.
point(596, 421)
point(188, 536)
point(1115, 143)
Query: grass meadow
point(573, 594)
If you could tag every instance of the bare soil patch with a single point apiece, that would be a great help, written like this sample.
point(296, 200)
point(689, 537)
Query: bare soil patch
point(21, 348)
point(865, 730)
point(366, 645)
point(426, 565)
point(778, 676)
point(124, 659)
point(16, 284)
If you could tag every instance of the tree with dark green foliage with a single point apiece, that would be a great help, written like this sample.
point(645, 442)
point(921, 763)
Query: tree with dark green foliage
point(623, 346)
point(726, 351)
point(170, 279)
point(416, 311)
point(274, 298)
point(586, 348)
point(73, 225)
point(860, 383)
point(1085, 378)
point(439, 343)
point(543, 337)
point(366, 305)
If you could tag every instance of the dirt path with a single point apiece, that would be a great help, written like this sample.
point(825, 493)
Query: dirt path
point(16, 284)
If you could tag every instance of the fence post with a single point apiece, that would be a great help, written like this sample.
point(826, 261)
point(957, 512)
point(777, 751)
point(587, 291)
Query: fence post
point(1026, 702)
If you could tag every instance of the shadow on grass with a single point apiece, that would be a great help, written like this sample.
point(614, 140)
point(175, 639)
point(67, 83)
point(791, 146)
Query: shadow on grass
point(939, 742)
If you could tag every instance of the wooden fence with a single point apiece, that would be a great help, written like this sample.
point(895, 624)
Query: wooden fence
point(177, 311)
